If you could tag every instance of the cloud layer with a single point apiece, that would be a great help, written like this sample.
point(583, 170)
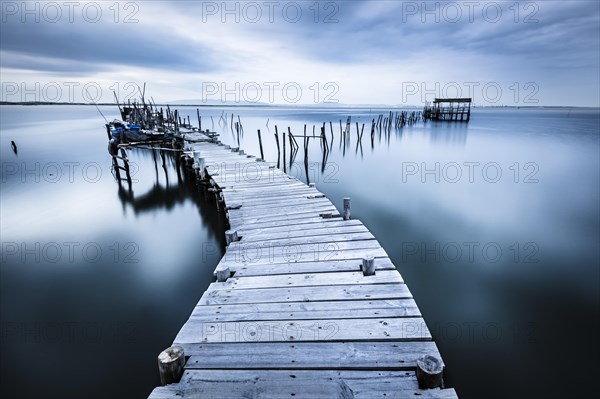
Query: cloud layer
point(358, 52)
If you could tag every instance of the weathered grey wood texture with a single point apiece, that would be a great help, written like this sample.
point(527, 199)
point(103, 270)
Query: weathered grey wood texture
point(297, 317)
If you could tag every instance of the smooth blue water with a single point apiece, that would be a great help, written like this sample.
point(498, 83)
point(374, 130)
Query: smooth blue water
point(494, 225)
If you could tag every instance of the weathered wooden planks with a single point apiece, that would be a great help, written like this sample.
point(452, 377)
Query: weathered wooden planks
point(325, 266)
point(293, 254)
point(333, 330)
point(298, 384)
point(310, 280)
point(295, 315)
point(216, 295)
point(307, 310)
point(380, 355)
point(331, 227)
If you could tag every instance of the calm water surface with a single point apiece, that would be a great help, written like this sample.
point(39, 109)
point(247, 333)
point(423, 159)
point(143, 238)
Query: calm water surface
point(494, 226)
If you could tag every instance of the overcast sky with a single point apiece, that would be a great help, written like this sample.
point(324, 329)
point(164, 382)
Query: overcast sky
point(352, 52)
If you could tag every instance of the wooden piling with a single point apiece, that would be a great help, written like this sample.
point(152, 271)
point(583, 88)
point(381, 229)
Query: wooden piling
point(262, 155)
point(346, 208)
point(231, 236)
point(305, 139)
point(331, 129)
point(223, 273)
point(278, 148)
point(170, 365)
point(284, 166)
point(430, 372)
point(368, 265)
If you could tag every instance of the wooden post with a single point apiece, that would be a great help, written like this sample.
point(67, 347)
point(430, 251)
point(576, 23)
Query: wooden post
point(293, 142)
point(262, 155)
point(199, 120)
point(170, 365)
point(372, 128)
point(278, 149)
point(305, 137)
point(346, 208)
point(231, 236)
point(223, 273)
point(284, 167)
point(429, 372)
point(217, 197)
point(368, 265)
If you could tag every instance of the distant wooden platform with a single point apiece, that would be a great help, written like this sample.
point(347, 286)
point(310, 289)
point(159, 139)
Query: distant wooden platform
point(295, 317)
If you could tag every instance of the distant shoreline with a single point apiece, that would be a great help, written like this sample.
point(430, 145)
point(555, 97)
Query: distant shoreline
point(377, 106)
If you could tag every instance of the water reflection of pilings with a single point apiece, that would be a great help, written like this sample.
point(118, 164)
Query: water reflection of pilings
point(169, 195)
point(158, 196)
point(448, 133)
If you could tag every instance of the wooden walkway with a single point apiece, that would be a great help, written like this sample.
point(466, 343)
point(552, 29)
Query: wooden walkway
point(296, 316)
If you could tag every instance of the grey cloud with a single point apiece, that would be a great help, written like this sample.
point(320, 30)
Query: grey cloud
point(98, 46)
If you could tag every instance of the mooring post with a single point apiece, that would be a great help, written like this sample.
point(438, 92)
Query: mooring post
point(170, 365)
point(430, 372)
point(278, 148)
point(284, 168)
point(231, 236)
point(368, 265)
point(262, 155)
point(223, 273)
point(346, 208)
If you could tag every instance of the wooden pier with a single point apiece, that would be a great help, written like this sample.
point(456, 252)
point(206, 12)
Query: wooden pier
point(307, 304)
point(449, 109)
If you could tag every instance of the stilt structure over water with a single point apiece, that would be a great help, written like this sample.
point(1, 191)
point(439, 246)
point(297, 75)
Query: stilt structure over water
point(449, 109)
